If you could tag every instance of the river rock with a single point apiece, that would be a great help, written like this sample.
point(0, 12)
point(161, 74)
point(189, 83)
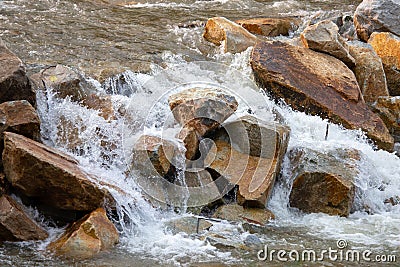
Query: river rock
point(323, 182)
point(324, 37)
point(19, 117)
point(369, 71)
point(388, 108)
point(190, 140)
point(63, 80)
point(237, 213)
point(49, 176)
point(202, 109)
point(377, 16)
point(387, 46)
point(327, 87)
point(254, 175)
point(231, 35)
point(153, 155)
point(14, 84)
point(269, 26)
point(189, 225)
point(15, 224)
point(87, 237)
point(102, 103)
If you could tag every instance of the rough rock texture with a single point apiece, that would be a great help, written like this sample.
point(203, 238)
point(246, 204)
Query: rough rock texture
point(254, 175)
point(49, 176)
point(387, 46)
point(324, 37)
point(235, 38)
point(15, 224)
point(63, 80)
point(189, 225)
point(101, 103)
point(269, 26)
point(202, 109)
point(369, 71)
point(87, 237)
point(377, 16)
point(153, 155)
point(237, 213)
point(14, 84)
point(19, 117)
point(388, 108)
point(190, 140)
point(317, 84)
point(323, 182)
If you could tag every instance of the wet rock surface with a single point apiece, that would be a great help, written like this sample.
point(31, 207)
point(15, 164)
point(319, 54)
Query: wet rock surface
point(388, 108)
point(237, 213)
point(269, 26)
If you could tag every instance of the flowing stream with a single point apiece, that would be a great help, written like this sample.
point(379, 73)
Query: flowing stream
point(159, 46)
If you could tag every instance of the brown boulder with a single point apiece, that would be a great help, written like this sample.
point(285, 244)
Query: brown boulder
point(237, 213)
point(15, 224)
point(14, 84)
point(49, 176)
point(63, 80)
point(202, 109)
point(369, 71)
point(235, 38)
point(190, 140)
point(317, 84)
point(377, 16)
point(324, 37)
point(323, 182)
point(388, 108)
point(387, 46)
point(269, 26)
point(101, 103)
point(87, 237)
point(254, 175)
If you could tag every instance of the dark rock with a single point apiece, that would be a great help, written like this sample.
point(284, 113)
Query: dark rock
point(15, 224)
point(14, 84)
point(326, 87)
point(377, 16)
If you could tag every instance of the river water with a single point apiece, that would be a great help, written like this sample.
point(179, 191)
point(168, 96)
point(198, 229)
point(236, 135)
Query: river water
point(149, 37)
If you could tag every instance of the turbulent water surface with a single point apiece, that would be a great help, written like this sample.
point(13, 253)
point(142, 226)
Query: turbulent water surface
point(149, 37)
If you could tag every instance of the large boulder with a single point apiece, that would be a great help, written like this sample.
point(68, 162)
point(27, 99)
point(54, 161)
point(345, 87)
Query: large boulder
point(14, 84)
point(87, 237)
point(251, 165)
point(231, 35)
point(387, 46)
point(324, 37)
point(323, 182)
point(377, 16)
point(269, 26)
point(388, 108)
point(15, 224)
point(49, 176)
point(237, 213)
point(369, 71)
point(317, 84)
point(19, 117)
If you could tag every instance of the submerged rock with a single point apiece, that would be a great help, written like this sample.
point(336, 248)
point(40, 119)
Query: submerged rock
point(237, 213)
point(388, 108)
point(323, 182)
point(387, 46)
point(49, 176)
point(377, 16)
point(326, 87)
point(324, 37)
point(14, 84)
point(254, 166)
point(15, 224)
point(234, 38)
point(87, 237)
point(369, 71)
point(189, 225)
point(269, 26)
